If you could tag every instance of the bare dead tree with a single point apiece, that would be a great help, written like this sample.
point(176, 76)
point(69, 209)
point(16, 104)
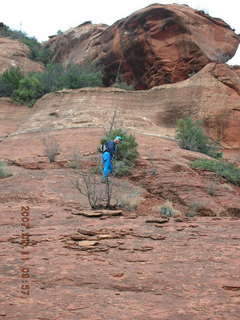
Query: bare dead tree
point(98, 194)
point(112, 123)
point(108, 193)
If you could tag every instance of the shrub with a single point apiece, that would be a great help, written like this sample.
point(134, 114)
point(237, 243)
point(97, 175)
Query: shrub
point(167, 209)
point(124, 86)
point(39, 53)
point(51, 148)
point(212, 187)
point(75, 160)
point(127, 203)
point(121, 168)
point(29, 90)
point(222, 168)
point(73, 76)
point(190, 136)
point(76, 76)
point(52, 78)
point(9, 81)
point(193, 209)
point(126, 151)
point(4, 172)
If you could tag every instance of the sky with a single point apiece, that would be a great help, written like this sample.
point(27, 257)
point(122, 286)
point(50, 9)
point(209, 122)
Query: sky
point(46, 17)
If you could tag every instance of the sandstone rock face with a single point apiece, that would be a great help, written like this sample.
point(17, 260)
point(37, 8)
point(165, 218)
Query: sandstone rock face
point(156, 45)
point(15, 54)
point(211, 95)
point(162, 173)
point(11, 116)
point(78, 119)
point(222, 118)
point(81, 267)
point(77, 45)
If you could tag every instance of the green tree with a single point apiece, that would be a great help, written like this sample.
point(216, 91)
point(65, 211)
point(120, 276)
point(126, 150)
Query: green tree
point(76, 76)
point(26, 89)
point(29, 90)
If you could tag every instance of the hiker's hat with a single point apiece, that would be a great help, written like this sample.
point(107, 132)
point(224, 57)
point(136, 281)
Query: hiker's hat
point(118, 138)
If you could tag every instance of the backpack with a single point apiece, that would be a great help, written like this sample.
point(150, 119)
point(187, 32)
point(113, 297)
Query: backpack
point(103, 148)
point(108, 146)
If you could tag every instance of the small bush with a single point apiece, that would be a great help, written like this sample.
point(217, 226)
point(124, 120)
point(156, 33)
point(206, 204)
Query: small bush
point(168, 210)
point(51, 148)
point(224, 169)
point(4, 172)
point(190, 136)
point(76, 160)
point(121, 168)
point(193, 209)
point(212, 187)
point(127, 203)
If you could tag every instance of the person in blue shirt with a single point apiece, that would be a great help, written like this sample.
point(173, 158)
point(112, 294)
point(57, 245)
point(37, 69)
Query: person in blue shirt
point(107, 156)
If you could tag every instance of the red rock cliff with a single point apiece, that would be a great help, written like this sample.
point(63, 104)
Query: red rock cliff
point(155, 45)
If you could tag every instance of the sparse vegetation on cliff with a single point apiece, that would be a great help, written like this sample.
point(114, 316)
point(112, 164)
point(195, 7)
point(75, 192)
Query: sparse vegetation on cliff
point(38, 52)
point(26, 89)
point(190, 136)
point(224, 169)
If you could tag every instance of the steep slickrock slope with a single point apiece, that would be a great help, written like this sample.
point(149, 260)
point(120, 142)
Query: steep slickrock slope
point(155, 45)
point(131, 266)
point(79, 117)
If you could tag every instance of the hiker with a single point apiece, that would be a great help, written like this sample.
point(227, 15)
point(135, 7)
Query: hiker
point(110, 149)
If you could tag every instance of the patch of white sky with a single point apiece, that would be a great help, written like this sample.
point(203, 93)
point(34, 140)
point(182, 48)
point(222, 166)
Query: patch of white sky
point(44, 18)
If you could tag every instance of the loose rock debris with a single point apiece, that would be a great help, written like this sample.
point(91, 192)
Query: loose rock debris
point(97, 213)
point(97, 240)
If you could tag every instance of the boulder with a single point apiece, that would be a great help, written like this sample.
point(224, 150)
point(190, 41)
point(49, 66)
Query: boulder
point(156, 45)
